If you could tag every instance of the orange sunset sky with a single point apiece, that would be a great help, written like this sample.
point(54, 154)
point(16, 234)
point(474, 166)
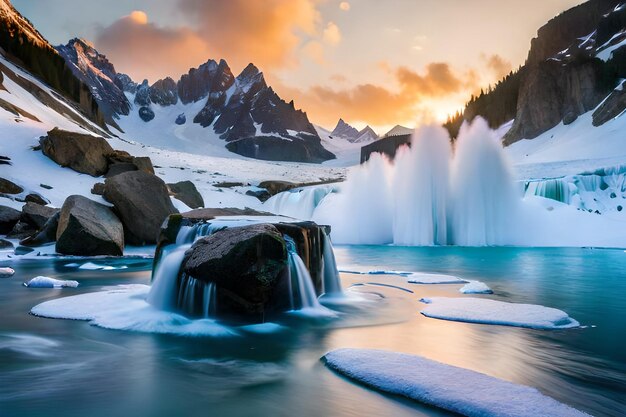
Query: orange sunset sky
point(371, 62)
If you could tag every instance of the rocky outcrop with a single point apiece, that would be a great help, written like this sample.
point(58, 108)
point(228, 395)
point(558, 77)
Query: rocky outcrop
point(553, 92)
point(612, 107)
point(164, 92)
point(146, 113)
point(141, 163)
point(37, 215)
point(209, 79)
point(88, 228)
point(83, 153)
point(8, 219)
point(143, 203)
point(186, 192)
point(301, 148)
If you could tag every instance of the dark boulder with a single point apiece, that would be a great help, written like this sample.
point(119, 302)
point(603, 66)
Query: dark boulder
point(246, 263)
point(88, 228)
point(9, 187)
point(21, 230)
point(37, 215)
point(36, 198)
point(187, 192)
point(8, 219)
point(262, 195)
point(47, 233)
point(82, 153)
point(98, 188)
point(181, 119)
point(5, 244)
point(120, 167)
point(146, 113)
point(143, 203)
point(276, 187)
point(143, 163)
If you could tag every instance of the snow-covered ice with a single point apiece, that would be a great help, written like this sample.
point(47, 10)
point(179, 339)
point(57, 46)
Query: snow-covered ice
point(459, 390)
point(484, 311)
point(124, 307)
point(47, 282)
point(423, 278)
point(476, 287)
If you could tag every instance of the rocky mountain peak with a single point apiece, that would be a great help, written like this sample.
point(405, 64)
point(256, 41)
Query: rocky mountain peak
point(345, 131)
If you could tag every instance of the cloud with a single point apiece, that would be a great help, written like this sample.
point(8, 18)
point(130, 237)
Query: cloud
point(145, 50)
point(345, 6)
point(498, 65)
point(314, 51)
point(267, 32)
point(332, 34)
point(379, 105)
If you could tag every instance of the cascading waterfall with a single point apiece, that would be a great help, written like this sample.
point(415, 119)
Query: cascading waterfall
point(299, 203)
point(190, 295)
point(332, 284)
point(303, 294)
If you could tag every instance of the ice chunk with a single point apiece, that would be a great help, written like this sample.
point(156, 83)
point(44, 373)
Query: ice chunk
point(47, 282)
point(422, 278)
point(6, 272)
point(124, 307)
point(476, 287)
point(448, 387)
point(480, 310)
point(90, 266)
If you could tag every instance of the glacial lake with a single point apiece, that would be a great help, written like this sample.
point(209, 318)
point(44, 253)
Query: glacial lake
point(70, 368)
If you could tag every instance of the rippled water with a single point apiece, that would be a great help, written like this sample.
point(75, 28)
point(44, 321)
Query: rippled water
point(67, 368)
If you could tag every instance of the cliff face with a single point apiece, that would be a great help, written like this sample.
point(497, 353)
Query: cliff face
point(576, 62)
point(553, 92)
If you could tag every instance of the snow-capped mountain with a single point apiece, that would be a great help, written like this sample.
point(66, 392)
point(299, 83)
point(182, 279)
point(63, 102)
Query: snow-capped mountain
point(95, 70)
point(243, 111)
point(398, 130)
point(345, 131)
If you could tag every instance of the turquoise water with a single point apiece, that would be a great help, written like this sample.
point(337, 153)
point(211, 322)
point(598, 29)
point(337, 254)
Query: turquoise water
point(68, 368)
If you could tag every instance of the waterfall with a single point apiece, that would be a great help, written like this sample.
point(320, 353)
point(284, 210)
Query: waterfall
point(298, 203)
point(300, 279)
point(331, 282)
point(169, 292)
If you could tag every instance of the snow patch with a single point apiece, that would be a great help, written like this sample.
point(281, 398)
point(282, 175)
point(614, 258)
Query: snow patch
point(483, 311)
point(476, 287)
point(448, 387)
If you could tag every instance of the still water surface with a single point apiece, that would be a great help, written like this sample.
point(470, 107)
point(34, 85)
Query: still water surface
point(68, 368)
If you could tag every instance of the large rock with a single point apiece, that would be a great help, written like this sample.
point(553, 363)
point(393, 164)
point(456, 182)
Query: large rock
point(9, 187)
point(82, 153)
point(187, 192)
point(8, 219)
point(143, 203)
point(246, 263)
point(243, 263)
point(37, 215)
point(88, 228)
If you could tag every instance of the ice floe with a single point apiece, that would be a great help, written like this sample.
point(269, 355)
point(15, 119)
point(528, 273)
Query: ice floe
point(484, 311)
point(476, 287)
point(6, 272)
point(90, 266)
point(422, 278)
point(124, 307)
point(448, 387)
point(47, 282)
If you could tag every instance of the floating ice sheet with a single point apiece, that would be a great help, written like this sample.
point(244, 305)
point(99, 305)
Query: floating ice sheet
point(47, 282)
point(484, 311)
point(454, 389)
point(125, 308)
point(476, 287)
